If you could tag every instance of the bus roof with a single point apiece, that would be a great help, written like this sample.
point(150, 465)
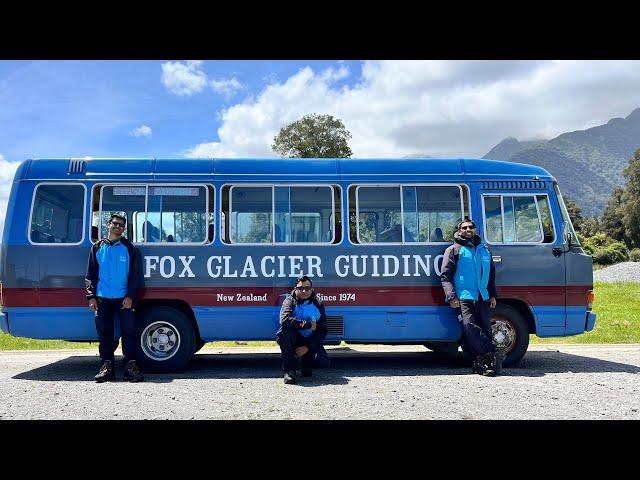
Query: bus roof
point(270, 169)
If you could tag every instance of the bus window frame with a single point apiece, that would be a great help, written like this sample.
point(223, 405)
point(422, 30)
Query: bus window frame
point(532, 194)
point(273, 207)
point(367, 185)
point(84, 207)
point(146, 209)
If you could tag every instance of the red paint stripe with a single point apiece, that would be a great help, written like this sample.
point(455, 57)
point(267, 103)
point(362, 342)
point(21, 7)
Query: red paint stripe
point(576, 295)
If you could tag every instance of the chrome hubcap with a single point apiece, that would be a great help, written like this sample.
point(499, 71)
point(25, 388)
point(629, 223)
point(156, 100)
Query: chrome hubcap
point(160, 341)
point(504, 335)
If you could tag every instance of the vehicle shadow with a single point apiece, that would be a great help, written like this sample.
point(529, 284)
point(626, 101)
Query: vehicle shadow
point(345, 363)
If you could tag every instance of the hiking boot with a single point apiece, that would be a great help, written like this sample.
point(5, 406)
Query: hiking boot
point(496, 363)
point(477, 365)
point(306, 372)
point(488, 369)
point(289, 378)
point(106, 372)
point(132, 372)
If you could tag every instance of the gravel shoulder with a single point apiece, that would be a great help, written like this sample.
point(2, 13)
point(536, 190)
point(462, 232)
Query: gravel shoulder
point(365, 382)
point(620, 272)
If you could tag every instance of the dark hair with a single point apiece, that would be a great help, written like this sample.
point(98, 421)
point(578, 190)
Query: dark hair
point(304, 278)
point(466, 220)
point(117, 215)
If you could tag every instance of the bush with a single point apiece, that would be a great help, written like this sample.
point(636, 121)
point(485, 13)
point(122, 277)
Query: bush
point(615, 252)
point(634, 255)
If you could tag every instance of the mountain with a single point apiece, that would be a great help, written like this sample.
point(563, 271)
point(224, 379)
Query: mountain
point(588, 164)
point(510, 146)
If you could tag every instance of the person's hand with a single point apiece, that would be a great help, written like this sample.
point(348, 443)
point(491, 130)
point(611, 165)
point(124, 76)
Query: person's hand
point(93, 304)
point(314, 324)
point(454, 303)
point(302, 350)
point(126, 303)
point(492, 302)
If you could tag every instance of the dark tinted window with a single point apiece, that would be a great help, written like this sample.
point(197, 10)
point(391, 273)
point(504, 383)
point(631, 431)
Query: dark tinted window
point(57, 215)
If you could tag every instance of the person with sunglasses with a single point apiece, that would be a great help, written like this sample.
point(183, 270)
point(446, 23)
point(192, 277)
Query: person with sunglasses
point(468, 280)
point(113, 278)
point(303, 327)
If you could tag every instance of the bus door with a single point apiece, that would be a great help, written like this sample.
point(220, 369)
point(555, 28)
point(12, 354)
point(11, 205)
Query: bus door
point(518, 227)
point(578, 275)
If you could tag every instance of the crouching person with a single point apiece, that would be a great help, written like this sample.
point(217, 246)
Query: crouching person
point(303, 327)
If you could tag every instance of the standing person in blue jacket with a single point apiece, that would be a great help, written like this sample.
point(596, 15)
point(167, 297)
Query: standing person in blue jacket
point(303, 327)
point(468, 279)
point(114, 276)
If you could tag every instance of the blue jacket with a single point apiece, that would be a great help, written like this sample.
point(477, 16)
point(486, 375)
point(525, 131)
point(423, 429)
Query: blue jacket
point(468, 272)
point(95, 279)
point(289, 321)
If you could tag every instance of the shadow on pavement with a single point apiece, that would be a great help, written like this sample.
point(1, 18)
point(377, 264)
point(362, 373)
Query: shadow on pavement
point(345, 363)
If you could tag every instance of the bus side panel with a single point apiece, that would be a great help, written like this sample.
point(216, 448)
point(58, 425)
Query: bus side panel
point(360, 323)
point(400, 324)
point(68, 323)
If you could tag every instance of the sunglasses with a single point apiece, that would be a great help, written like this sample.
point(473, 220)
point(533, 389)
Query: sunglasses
point(467, 228)
point(303, 289)
point(117, 224)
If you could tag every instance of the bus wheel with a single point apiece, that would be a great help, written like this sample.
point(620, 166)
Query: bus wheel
point(510, 333)
point(166, 340)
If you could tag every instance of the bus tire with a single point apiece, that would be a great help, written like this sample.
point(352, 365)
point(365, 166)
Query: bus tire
point(443, 347)
point(510, 333)
point(166, 340)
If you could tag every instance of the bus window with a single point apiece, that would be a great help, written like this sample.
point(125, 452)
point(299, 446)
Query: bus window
point(406, 213)
point(379, 214)
point(545, 216)
point(304, 214)
point(250, 219)
point(279, 214)
point(518, 219)
point(57, 214)
point(430, 213)
point(176, 214)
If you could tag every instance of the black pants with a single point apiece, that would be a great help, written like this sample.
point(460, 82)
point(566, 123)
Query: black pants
point(108, 310)
point(289, 340)
point(477, 338)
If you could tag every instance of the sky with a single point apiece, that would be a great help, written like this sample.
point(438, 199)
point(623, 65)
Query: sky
point(193, 108)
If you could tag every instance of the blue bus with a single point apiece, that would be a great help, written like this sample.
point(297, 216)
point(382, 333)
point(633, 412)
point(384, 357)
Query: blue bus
point(222, 241)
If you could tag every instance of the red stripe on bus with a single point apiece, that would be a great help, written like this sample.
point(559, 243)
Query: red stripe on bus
point(575, 295)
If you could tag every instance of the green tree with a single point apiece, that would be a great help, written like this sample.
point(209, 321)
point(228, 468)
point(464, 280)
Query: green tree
point(313, 136)
point(612, 217)
point(631, 201)
point(590, 226)
point(575, 213)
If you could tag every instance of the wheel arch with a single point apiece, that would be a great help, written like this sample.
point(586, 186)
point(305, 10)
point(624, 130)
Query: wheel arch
point(523, 309)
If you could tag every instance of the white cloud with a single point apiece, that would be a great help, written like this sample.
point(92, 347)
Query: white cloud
point(141, 131)
point(227, 87)
point(183, 79)
point(7, 172)
point(438, 108)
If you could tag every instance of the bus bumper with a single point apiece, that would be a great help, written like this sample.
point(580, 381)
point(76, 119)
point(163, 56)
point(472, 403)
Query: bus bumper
point(591, 322)
point(4, 322)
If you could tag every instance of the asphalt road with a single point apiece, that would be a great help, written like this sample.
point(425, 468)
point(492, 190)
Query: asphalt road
point(365, 382)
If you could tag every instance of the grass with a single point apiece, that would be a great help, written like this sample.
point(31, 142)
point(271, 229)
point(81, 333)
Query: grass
point(618, 321)
point(616, 304)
